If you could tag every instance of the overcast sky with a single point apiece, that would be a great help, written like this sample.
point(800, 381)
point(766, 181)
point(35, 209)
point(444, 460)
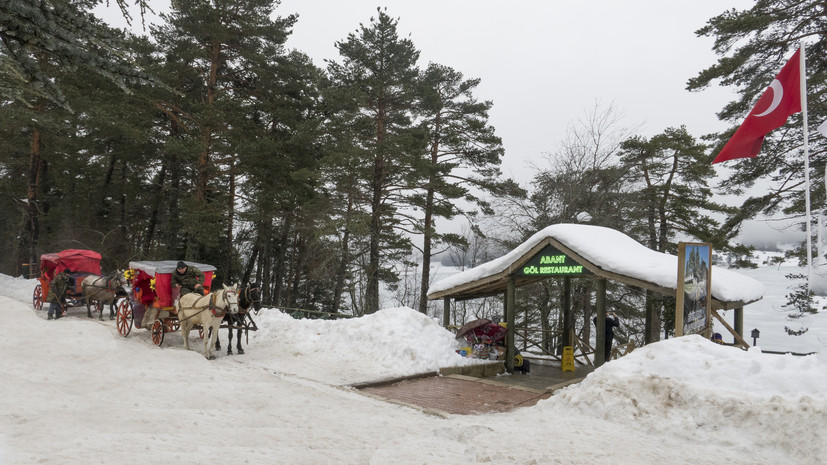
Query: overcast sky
point(545, 63)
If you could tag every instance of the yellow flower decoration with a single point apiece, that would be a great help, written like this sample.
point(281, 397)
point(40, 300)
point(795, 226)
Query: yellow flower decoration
point(152, 284)
point(129, 274)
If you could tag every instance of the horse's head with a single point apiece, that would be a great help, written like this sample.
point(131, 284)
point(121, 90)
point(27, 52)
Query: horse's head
point(230, 298)
point(119, 279)
point(250, 297)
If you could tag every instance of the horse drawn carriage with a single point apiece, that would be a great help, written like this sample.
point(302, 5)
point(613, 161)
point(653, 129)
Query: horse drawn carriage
point(86, 285)
point(154, 303)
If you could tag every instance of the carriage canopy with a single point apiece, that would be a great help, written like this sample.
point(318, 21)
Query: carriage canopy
point(86, 261)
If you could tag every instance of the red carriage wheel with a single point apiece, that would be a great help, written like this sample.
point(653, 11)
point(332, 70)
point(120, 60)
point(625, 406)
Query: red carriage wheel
point(98, 307)
point(123, 319)
point(37, 297)
point(158, 328)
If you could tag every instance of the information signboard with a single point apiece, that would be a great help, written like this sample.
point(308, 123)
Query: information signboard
point(693, 309)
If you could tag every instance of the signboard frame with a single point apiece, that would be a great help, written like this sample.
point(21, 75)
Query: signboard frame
point(693, 300)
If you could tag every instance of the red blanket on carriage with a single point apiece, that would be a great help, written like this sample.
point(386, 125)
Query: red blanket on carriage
point(77, 260)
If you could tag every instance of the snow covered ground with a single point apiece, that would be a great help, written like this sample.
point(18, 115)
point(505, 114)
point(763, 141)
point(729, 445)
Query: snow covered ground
point(75, 392)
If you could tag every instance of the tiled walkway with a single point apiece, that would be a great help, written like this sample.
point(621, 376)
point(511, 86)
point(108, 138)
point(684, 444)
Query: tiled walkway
point(457, 394)
point(465, 395)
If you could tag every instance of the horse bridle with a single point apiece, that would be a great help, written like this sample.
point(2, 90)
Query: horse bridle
point(108, 280)
point(211, 306)
point(247, 291)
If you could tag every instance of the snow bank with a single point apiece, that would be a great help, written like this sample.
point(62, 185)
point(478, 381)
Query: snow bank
point(390, 343)
point(705, 391)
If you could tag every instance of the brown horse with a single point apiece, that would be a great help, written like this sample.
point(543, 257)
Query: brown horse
point(249, 296)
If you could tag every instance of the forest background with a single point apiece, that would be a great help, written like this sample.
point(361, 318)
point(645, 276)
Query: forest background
point(210, 140)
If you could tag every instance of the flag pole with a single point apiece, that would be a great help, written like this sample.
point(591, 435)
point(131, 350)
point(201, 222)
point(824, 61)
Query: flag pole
point(803, 80)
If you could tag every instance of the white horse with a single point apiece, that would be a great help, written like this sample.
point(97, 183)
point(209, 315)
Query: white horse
point(207, 311)
point(99, 290)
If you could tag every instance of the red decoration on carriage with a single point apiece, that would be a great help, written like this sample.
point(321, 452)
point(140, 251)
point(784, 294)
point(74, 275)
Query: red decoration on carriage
point(81, 263)
point(486, 340)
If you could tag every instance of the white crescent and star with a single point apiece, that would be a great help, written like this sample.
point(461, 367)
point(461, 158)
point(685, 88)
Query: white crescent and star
point(777, 95)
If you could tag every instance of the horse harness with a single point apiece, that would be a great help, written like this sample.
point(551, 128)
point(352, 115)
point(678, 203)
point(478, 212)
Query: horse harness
point(216, 312)
point(109, 286)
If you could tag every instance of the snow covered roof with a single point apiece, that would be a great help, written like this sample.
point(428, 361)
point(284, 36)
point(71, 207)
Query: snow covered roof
point(605, 252)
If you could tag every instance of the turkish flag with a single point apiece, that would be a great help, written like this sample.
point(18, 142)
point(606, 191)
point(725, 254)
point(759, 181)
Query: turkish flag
point(781, 99)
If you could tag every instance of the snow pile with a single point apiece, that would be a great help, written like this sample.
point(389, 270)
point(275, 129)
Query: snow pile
point(390, 343)
point(699, 390)
point(17, 288)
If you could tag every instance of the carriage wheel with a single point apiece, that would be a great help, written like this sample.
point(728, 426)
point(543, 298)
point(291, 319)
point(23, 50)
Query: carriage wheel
point(37, 297)
point(201, 332)
point(123, 319)
point(158, 330)
point(98, 305)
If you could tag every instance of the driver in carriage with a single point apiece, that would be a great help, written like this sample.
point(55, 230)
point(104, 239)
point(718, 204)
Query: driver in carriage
point(57, 295)
point(188, 279)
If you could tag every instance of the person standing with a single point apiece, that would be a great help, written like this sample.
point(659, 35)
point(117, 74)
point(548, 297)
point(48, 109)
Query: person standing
point(57, 295)
point(188, 279)
point(612, 322)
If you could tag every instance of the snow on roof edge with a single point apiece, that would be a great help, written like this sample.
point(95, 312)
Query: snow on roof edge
point(615, 252)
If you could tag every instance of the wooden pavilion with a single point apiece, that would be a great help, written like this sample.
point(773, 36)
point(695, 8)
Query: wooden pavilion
point(567, 251)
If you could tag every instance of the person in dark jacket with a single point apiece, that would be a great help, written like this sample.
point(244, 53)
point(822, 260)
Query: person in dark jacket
point(611, 323)
point(188, 279)
point(57, 295)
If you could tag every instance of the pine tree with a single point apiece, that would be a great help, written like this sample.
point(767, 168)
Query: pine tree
point(378, 77)
point(669, 174)
point(219, 53)
point(461, 160)
point(64, 32)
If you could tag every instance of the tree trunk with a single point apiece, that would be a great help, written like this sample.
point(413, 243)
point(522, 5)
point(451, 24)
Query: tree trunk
point(30, 227)
point(279, 262)
point(372, 287)
point(426, 252)
point(248, 270)
point(149, 237)
point(228, 256)
point(344, 260)
point(375, 229)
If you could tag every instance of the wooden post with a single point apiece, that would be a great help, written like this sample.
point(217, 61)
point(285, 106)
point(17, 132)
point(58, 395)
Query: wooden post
point(568, 321)
point(525, 334)
point(509, 334)
point(650, 332)
point(446, 312)
point(739, 323)
point(600, 329)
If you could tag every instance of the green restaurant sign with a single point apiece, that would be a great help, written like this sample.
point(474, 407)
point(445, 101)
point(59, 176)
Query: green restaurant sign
point(552, 262)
